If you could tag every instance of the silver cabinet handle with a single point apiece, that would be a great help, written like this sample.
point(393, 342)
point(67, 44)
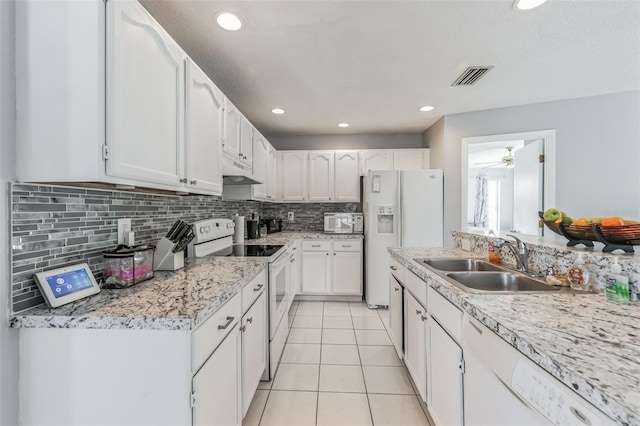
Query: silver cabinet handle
point(259, 287)
point(292, 260)
point(423, 318)
point(418, 312)
point(226, 324)
point(194, 182)
point(315, 245)
point(393, 268)
point(243, 328)
point(294, 248)
point(184, 180)
point(250, 320)
point(396, 289)
point(346, 245)
point(327, 254)
point(334, 254)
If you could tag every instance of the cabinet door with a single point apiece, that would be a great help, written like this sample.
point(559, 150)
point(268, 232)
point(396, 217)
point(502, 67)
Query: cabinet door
point(145, 97)
point(347, 176)
point(272, 165)
point(347, 273)
point(315, 272)
point(216, 386)
point(204, 111)
point(445, 376)
point(294, 176)
point(246, 142)
point(260, 166)
point(408, 160)
point(321, 176)
point(231, 139)
point(376, 160)
point(396, 315)
point(415, 348)
point(254, 349)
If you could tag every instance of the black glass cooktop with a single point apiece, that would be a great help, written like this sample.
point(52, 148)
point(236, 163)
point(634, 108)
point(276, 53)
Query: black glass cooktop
point(263, 250)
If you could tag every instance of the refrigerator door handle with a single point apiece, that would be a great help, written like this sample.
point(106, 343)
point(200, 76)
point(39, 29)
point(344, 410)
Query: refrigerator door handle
point(399, 210)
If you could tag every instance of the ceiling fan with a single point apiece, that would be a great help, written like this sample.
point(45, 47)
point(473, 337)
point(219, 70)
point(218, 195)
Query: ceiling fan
point(508, 160)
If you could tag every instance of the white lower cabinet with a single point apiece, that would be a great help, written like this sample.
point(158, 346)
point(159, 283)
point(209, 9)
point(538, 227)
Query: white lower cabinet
point(415, 348)
point(396, 316)
point(216, 386)
point(332, 267)
point(445, 398)
point(254, 347)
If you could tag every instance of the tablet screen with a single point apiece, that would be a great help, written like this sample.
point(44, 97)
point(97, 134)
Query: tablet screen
point(69, 282)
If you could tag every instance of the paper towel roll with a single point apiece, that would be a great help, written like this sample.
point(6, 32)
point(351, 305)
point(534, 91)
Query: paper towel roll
point(238, 235)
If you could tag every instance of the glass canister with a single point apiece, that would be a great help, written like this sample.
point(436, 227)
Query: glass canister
point(127, 266)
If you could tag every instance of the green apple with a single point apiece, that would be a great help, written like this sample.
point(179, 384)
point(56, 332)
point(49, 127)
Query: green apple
point(567, 220)
point(552, 215)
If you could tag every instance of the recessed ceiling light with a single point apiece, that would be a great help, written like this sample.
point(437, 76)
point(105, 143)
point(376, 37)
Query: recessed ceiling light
point(277, 111)
point(522, 5)
point(426, 108)
point(229, 21)
point(343, 124)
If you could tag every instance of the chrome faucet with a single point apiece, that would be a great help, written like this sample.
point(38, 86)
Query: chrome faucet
point(519, 250)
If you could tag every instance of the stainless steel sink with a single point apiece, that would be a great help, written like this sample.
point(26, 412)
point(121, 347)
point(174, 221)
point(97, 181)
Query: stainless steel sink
point(506, 282)
point(455, 265)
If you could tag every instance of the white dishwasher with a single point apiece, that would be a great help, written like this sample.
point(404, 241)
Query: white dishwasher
point(503, 387)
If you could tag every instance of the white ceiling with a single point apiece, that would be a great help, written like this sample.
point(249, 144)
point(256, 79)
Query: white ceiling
point(373, 63)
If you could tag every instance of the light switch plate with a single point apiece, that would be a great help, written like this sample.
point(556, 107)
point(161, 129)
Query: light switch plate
point(290, 217)
point(124, 226)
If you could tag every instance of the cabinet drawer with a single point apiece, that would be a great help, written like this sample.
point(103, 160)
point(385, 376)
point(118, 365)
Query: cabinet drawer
point(253, 289)
point(397, 270)
point(416, 287)
point(206, 338)
point(449, 317)
point(347, 245)
point(316, 245)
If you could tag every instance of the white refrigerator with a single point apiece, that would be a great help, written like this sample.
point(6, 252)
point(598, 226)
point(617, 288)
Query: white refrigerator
point(402, 209)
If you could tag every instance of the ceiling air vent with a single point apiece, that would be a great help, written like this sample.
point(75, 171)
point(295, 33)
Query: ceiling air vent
point(471, 75)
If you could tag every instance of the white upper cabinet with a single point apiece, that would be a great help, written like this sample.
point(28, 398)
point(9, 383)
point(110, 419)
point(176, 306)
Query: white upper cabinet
point(231, 139)
point(347, 176)
point(145, 97)
point(272, 173)
point(260, 166)
point(321, 176)
point(204, 110)
point(246, 142)
point(294, 175)
point(414, 159)
point(376, 159)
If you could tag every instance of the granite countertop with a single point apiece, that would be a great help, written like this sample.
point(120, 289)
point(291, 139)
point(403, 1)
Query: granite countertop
point(588, 343)
point(179, 300)
point(289, 236)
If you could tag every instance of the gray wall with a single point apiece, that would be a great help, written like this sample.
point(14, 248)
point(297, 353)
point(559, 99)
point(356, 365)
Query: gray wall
point(8, 337)
point(307, 142)
point(597, 151)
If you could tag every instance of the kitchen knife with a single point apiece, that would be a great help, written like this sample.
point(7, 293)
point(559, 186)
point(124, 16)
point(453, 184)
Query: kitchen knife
point(182, 231)
point(180, 245)
point(173, 229)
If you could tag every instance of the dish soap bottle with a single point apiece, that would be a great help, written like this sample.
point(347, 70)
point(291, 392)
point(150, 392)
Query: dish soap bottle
point(617, 284)
point(579, 275)
point(493, 255)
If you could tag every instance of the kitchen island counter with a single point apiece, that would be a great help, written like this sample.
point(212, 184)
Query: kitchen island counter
point(176, 300)
point(589, 344)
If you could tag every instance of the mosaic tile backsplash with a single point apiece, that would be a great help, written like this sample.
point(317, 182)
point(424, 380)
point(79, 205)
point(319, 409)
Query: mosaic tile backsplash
point(55, 226)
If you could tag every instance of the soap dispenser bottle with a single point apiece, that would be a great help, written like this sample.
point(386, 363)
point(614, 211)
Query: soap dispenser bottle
point(617, 284)
point(579, 275)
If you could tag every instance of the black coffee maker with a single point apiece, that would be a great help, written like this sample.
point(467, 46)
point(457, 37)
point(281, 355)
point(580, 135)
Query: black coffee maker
point(253, 229)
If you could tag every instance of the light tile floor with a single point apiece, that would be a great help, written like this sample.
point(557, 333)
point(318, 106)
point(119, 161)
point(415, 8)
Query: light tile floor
point(338, 368)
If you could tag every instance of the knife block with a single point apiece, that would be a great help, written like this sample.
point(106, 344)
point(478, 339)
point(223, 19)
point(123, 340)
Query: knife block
point(165, 259)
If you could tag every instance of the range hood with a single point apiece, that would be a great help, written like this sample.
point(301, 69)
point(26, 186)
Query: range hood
point(236, 173)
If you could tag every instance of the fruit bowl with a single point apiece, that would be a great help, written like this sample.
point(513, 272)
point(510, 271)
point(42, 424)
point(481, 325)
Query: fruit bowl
point(613, 237)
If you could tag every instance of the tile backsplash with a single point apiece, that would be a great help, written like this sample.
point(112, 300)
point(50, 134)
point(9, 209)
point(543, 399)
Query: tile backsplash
point(54, 226)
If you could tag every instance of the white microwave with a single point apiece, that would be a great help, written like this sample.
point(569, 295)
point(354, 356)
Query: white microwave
point(344, 223)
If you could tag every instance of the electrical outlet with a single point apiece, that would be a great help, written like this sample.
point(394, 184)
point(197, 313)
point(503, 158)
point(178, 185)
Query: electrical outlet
point(466, 244)
point(290, 217)
point(124, 225)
